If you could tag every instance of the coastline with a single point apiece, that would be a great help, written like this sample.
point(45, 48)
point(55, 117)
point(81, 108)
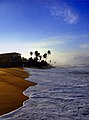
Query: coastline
point(12, 86)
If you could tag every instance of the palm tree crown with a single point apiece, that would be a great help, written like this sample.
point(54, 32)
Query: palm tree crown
point(49, 52)
point(37, 53)
point(45, 55)
point(31, 53)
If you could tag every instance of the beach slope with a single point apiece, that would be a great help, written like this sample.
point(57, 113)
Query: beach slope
point(12, 85)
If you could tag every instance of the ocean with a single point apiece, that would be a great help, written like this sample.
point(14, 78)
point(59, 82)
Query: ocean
point(62, 93)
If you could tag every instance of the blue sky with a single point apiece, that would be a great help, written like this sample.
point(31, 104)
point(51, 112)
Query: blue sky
point(59, 25)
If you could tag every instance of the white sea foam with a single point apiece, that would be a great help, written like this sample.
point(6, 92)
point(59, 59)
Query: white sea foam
point(61, 94)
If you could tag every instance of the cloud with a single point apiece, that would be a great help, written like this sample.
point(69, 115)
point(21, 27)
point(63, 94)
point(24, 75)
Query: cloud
point(62, 11)
point(84, 46)
point(84, 60)
point(70, 17)
point(79, 57)
point(26, 46)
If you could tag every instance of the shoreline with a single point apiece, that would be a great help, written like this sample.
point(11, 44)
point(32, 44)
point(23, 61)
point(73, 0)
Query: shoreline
point(12, 86)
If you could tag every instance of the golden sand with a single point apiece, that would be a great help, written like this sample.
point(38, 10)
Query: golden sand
point(12, 85)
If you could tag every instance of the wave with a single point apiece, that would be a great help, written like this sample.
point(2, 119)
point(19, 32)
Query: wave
point(62, 93)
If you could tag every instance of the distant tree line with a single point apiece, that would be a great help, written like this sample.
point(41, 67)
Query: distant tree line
point(38, 60)
point(15, 60)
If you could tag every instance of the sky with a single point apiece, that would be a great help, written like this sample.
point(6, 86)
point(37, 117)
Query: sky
point(61, 26)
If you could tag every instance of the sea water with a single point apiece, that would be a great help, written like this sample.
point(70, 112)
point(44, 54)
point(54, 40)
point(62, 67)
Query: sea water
point(62, 93)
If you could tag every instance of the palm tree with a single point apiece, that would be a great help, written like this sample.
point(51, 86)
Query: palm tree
point(50, 61)
point(36, 59)
point(37, 54)
point(40, 57)
point(31, 53)
point(45, 56)
point(49, 52)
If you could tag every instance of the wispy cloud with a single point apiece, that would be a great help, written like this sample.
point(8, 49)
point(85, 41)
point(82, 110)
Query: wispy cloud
point(80, 57)
point(85, 46)
point(26, 46)
point(63, 11)
point(67, 14)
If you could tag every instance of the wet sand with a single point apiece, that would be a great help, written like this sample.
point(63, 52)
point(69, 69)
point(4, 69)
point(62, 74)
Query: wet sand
point(12, 85)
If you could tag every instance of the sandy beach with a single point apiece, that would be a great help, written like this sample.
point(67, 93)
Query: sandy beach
point(12, 85)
